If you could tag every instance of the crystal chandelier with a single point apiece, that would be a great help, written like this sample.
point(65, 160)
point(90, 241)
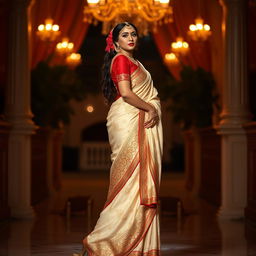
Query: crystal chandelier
point(171, 58)
point(144, 14)
point(65, 47)
point(199, 31)
point(48, 31)
point(180, 47)
point(73, 60)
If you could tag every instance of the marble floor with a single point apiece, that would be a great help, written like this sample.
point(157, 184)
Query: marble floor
point(198, 233)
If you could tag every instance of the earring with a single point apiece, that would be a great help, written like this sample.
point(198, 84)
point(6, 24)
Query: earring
point(117, 48)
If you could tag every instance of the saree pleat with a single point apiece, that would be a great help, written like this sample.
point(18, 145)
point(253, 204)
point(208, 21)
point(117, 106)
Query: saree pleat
point(128, 224)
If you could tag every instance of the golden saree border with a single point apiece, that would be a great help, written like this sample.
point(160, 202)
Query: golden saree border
point(123, 77)
point(149, 253)
point(121, 183)
point(123, 166)
point(150, 215)
point(135, 235)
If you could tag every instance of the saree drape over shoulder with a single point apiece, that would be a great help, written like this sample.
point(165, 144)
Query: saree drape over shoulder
point(128, 224)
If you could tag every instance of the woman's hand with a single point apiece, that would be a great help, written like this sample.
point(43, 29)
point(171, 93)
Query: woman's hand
point(152, 118)
point(131, 98)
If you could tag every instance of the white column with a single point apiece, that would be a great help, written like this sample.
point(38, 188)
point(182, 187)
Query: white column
point(235, 111)
point(18, 111)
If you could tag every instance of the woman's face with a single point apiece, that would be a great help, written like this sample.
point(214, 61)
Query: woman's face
point(127, 39)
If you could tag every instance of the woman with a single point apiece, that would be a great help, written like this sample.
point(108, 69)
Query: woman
point(128, 224)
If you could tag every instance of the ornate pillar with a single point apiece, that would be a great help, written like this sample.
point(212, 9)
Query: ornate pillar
point(235, 111)
point(18, 111)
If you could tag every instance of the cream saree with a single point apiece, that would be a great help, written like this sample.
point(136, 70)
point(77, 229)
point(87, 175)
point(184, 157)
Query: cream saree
point(128, 224)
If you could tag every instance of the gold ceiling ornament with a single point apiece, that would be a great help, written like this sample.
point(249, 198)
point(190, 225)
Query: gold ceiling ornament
point(180, 47)
point(48, 31)
point(74, 59)
point(171, 58)
point(199, 31)
point(146, 15)
point(64, 47)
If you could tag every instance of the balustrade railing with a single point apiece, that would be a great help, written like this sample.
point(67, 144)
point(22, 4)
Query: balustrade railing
point(95, 156)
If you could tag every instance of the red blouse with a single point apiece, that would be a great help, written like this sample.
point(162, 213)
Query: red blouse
point(122, 68)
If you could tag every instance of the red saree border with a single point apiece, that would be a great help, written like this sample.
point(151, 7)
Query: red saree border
point(87, 247)
point(147, 197)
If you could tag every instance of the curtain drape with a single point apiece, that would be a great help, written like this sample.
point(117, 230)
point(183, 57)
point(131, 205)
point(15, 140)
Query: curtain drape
point(184, 14)
point(68, 14)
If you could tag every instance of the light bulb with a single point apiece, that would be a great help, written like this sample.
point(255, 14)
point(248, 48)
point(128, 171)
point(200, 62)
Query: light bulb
point(192, 27)
point(55, 27)
point(207, 27)
point(199, 26)
point(41, 27)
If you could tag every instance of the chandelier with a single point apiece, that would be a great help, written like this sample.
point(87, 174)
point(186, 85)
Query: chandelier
point(73, 60)
point(199, 31)
point(65, 47)
point(171, 58)
point(180, 47)
point(48, 31)
point(146, 15)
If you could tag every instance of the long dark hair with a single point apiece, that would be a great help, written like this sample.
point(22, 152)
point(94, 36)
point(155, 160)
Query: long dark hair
point(108, 88)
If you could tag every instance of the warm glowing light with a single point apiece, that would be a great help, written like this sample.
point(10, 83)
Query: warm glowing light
point(199, 31)
point(65, 47)
point(41, 27)
point(180, 46)
point(145, 14)
point(192, 27)
point(93, 1)
point(48, 27)
point(89, 108)
point(164, 1)
point(185, 44)
point(207, 27)
point(48, 31)
point(55, 27)
point(74, 59)
point(199, 26)
point(171, 58)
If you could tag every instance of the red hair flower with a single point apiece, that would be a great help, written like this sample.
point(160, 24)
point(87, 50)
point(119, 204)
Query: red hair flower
point(109, 41)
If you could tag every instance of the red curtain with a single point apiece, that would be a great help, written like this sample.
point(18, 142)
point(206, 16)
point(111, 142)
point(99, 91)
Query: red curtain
point(68, 14)
point(184, 14)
